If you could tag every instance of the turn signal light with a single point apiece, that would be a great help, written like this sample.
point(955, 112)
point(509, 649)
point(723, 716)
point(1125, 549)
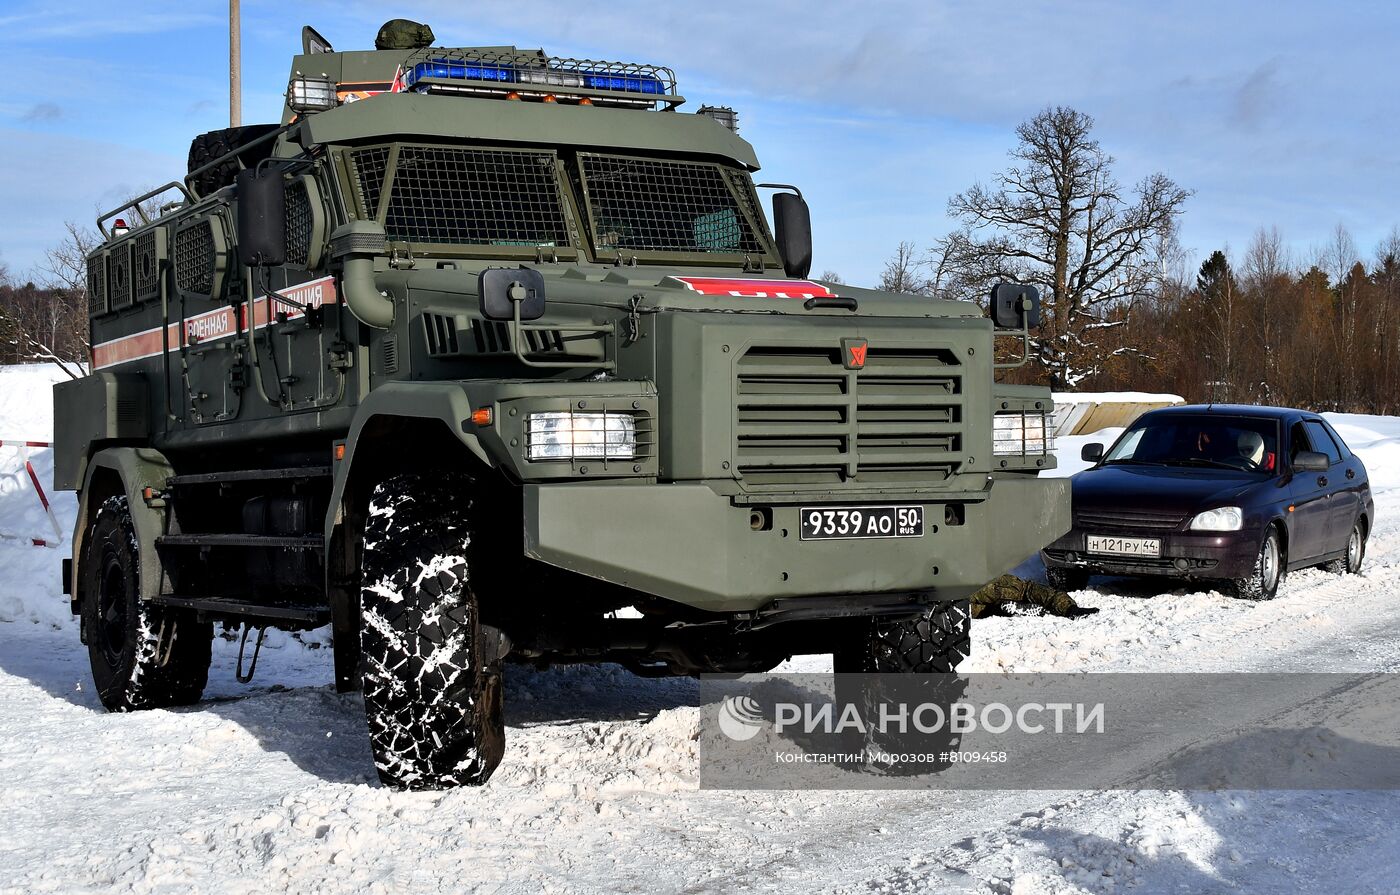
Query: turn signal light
point(482, 416)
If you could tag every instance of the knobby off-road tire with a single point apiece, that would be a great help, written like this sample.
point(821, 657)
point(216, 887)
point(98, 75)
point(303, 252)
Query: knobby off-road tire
point(1268, 574)
point(922, 651)
point(207, 147)
point(432, 681)
point(932, 642)
point(143, 656)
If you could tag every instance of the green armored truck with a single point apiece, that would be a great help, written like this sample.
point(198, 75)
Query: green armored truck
point(485, 356)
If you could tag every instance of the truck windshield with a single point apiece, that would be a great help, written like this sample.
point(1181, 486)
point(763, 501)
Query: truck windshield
point(1243, 443)
point(446, 195)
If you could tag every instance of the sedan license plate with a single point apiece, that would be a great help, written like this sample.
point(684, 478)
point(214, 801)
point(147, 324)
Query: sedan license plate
point(1123, 546)
point(843, 523)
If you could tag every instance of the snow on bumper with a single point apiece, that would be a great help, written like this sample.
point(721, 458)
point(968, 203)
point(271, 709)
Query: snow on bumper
point(686, 543)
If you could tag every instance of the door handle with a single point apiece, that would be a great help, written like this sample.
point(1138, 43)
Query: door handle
point(1322, 481)
point(1351, 473)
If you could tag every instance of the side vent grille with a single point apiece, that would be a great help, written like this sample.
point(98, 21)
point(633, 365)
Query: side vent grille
point(194, 259)
point(119, 277)
point(441, 332)
point(150, 251)
point(97, 285)
point(298, 224)
point(390, 347)
point(458, 336)
point(492, 337)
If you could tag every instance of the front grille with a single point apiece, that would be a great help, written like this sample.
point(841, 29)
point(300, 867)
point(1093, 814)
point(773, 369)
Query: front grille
point(649, 205)
point(804, 419)
point(1144, 520)
point(482, 197)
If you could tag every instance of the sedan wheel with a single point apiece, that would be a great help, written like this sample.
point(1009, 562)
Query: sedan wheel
point(1356, 549)
point(1268, 571)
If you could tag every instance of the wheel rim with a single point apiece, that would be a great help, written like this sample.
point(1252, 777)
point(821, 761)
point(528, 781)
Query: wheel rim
point(1268, 563)
point(112, 607)
point(1354, 549)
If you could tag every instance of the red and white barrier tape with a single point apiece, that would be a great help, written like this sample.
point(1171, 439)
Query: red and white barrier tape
point(23, 447)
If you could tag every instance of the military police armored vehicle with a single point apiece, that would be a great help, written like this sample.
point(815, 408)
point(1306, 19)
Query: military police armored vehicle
point(479, 348)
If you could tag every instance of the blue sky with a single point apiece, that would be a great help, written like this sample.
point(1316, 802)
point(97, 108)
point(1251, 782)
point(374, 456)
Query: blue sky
point(1275, 113)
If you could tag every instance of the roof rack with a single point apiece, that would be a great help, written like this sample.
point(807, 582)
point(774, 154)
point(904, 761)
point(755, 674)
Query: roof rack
point(535, 75)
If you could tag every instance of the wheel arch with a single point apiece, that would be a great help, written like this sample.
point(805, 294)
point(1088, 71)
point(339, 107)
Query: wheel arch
point(128, 471)
point(401, 426)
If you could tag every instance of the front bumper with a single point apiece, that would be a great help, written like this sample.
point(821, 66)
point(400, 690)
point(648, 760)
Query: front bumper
point(689, 544)
point(1196, 555)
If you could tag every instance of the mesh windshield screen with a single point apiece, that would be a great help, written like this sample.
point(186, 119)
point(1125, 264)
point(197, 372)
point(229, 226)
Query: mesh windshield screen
point(664, 206)
point(466, 196)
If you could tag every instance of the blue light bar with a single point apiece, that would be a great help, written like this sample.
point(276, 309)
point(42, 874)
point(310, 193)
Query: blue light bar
point(448, 69)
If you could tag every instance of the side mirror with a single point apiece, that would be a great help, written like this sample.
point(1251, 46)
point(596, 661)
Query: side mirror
point(501, 288)
point(1015, 306)
point(792, 227)
point(1091, 453)
point(262, 222)
point(1311, 461)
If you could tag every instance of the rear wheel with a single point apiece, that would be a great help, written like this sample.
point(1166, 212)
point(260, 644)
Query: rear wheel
point(143, 656)
point(431, 670)
point(1350, 563)
point(1263, 582)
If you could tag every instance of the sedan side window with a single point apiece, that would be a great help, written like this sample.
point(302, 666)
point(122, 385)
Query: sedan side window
point(1317, 434)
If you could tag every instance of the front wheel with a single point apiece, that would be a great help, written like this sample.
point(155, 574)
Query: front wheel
point(143, 656)
point(431, 670)
point(1262, 583)
point(933, 641)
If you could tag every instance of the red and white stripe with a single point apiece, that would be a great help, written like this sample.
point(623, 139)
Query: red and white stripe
point(741, 287)
point(211, 325)
point(23, 447)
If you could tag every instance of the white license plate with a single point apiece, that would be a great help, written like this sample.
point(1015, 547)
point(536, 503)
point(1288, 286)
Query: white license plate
point(843, 523)
point(1123, 546)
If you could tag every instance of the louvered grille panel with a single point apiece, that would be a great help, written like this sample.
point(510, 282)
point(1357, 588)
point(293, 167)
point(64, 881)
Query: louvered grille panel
point(801, 417)
point(297, 211)
point(97, 286)
point(194, 258)
point(147, 267)
point(119, 277)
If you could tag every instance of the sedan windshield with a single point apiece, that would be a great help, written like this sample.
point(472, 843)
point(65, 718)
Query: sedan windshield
point(1204, 440)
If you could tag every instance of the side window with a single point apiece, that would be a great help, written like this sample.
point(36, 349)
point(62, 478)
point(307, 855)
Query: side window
point(1341, 445)
point(1297, 441)
point(1323, 442)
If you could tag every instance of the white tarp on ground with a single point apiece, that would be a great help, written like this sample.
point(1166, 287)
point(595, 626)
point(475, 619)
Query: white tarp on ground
point(269, 787)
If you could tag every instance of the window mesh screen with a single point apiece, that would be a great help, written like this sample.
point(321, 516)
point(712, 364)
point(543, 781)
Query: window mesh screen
point(467, 196)
point(97, 286)
point(298, 223)
point(664, 206)
point(194, 259)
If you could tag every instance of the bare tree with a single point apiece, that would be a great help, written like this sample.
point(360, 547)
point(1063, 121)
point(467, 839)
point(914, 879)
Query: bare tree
point(902, 272)
point(831, 276)
point(1060, 220)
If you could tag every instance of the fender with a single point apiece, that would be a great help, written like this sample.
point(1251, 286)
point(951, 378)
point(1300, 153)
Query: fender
point(135, 468)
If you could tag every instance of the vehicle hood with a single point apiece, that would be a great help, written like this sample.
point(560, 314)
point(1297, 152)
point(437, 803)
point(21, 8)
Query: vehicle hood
point(1178, 489)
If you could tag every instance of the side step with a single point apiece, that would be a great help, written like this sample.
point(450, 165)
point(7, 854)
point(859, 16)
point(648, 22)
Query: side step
point(249, 475)
point(314, 616)
point(241, 540)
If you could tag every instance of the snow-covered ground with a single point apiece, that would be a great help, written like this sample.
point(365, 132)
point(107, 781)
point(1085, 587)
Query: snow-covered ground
point(269, 787)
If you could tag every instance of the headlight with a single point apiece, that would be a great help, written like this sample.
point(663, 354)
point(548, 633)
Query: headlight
point(1022, 434)
point(311, 94)
point(1219, 519)
point(567, 435)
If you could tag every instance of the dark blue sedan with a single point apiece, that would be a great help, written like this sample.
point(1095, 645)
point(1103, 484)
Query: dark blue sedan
point(1239, 495)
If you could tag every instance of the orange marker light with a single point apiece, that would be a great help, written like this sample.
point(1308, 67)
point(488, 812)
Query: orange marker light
point(512, 95)
point(585, 102)
point(550, 98)
point(340, 452)
point(482, 416)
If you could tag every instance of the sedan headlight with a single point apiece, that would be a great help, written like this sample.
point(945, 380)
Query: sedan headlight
point(1219, 519)
point(1022, 433)
point(567, 435)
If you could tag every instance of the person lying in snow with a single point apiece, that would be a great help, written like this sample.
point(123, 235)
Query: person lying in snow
point(1008, 589)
